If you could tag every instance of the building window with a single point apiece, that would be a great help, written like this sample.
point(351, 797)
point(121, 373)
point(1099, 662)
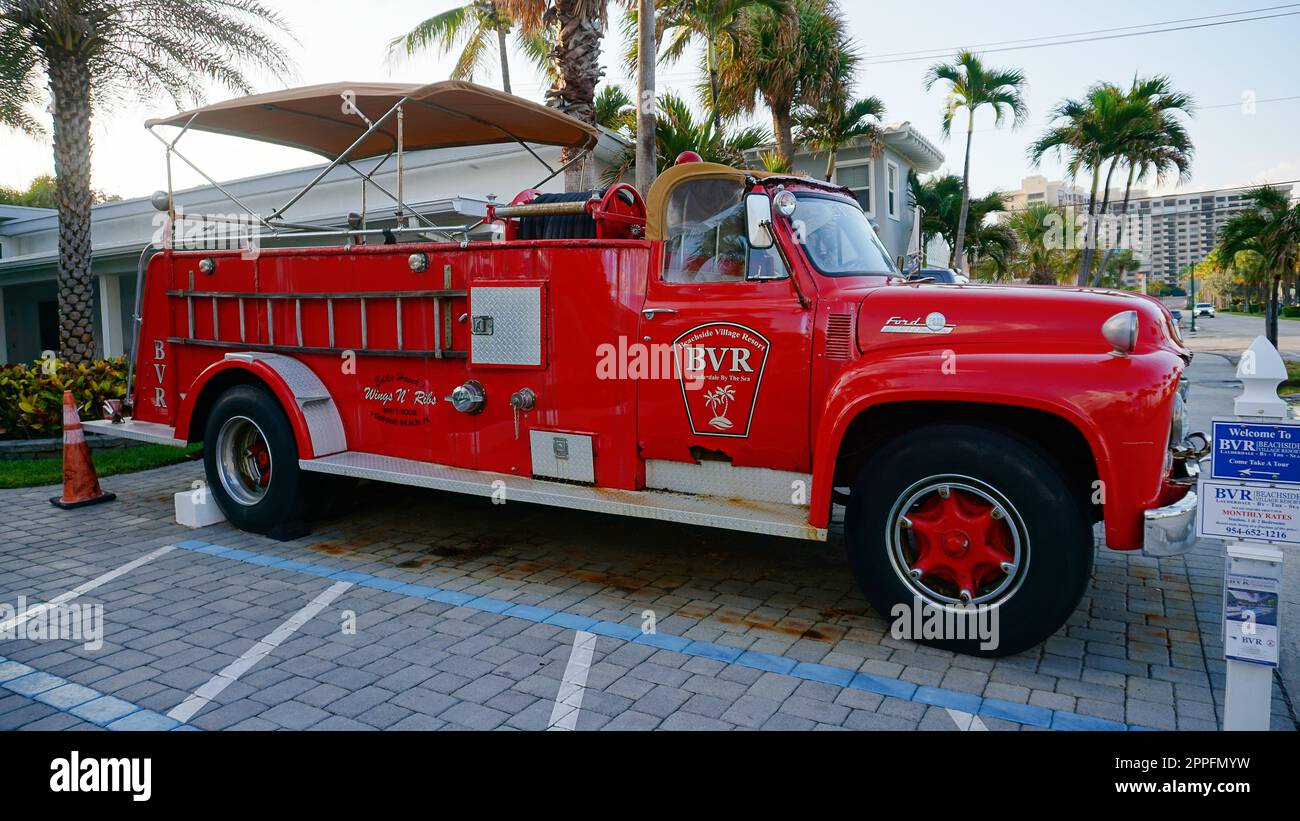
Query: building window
point(860, 179)
point(891, 188)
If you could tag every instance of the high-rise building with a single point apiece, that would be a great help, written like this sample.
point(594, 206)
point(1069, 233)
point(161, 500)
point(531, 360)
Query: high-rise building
point(1179, 230)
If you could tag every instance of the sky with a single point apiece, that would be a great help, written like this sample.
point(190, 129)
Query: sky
point(1224, 67)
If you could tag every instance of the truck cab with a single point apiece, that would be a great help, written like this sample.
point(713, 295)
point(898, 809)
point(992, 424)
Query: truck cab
point(735, 350)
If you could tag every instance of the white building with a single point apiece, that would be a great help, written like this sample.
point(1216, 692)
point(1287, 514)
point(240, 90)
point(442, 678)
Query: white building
point(449, 186)
point(1180, 230)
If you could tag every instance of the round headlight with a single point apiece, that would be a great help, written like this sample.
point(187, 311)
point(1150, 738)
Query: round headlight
point(786, 202)
point(1121, 331)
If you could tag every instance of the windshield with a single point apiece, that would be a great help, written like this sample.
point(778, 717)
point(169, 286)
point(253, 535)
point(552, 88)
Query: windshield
point(838, 239)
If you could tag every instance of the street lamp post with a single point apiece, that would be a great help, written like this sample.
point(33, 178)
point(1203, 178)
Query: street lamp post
point(1191, 287)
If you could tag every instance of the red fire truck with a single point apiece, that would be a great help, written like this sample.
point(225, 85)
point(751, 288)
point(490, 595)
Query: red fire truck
point(735, 350)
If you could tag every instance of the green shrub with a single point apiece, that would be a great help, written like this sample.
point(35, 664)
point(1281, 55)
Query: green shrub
point(31, 396)
point(1292, 311)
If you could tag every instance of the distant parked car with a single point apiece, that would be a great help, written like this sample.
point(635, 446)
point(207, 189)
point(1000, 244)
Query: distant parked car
point(1204, 309)
point(944, 275)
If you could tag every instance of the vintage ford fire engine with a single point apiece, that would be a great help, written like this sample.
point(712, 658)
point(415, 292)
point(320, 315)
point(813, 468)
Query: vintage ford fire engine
point(735, 350)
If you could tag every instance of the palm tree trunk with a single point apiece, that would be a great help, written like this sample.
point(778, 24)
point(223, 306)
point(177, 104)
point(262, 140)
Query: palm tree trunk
point(505, 60)
point(1085, 254)
point(830, 164)
point(1095, 280)
point(960, 251)
point(70, 87)
point(711, 57)
point(576, 56)
point(783, 128)
point(646, 165)
point(1123, 214)
point(1270, 317)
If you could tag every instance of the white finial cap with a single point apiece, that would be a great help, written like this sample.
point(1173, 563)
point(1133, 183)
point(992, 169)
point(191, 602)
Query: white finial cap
point(1261, 370)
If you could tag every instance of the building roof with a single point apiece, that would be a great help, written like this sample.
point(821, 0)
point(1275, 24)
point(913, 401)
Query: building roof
point(14, 213)
point(902, 138)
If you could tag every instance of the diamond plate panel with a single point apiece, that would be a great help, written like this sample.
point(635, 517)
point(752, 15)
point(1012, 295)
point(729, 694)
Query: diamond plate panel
point(723, 479)
point(515, 313)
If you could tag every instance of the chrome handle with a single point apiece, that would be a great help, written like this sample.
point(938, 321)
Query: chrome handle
point(649, 313)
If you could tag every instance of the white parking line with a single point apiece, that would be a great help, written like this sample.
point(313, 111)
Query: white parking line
point(568, 701)
point(22, 618)
point(186, 710)
point(966, 721)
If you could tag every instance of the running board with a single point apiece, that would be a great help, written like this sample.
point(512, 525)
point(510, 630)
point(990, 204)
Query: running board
point(152, 432)
point(768, 518)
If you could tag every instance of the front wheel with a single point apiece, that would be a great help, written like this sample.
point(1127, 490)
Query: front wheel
point(975, 525)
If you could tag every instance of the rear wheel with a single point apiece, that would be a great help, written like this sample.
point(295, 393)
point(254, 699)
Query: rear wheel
point(251, 461)
point(967, 519)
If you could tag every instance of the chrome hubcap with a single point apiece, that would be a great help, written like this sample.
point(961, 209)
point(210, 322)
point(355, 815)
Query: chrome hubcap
point(243, 460)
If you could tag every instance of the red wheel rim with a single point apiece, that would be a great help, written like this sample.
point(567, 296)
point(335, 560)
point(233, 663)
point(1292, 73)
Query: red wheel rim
point(957, 541)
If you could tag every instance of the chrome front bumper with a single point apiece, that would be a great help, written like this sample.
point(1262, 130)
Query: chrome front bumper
point(1170, 530)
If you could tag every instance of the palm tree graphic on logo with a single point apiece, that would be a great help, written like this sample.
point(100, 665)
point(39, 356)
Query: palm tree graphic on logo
point(718, 399)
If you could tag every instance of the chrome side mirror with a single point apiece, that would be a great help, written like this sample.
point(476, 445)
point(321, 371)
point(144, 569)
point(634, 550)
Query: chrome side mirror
point(758, 221)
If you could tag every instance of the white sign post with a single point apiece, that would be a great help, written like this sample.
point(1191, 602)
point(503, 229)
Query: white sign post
point(1255, 516)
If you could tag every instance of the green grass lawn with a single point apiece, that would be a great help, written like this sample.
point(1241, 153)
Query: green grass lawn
point(1254, 314)
point(1292, 384)
point(36, 472)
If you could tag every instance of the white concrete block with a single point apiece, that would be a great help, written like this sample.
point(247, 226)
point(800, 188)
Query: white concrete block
point(197, 508)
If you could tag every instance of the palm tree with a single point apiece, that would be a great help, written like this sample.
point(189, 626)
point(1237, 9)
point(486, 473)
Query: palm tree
point(834, 121)
point(577, 27)
point(1270, 227)
point(614, 110)
point(939, 198)
point(479, 25)
point(1159, 145)
point(717, 23)
point(1038, 256)
point(786, 60)
point(88, 50)
point(678, 130)
point(1094, 132)
point(973, 85)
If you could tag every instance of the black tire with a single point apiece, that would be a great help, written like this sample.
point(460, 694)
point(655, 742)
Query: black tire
point(277, 507)
point(1030, 505)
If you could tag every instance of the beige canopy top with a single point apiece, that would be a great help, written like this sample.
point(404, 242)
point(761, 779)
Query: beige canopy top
point(438, 115)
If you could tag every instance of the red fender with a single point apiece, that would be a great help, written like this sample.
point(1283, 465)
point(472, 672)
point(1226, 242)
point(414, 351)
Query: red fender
point(267, 368)
point(990, 379)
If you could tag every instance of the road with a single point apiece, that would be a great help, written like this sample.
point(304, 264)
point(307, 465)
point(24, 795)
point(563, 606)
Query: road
point(1233, 334)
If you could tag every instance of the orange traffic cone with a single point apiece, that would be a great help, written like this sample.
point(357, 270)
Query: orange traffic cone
point(80, 484)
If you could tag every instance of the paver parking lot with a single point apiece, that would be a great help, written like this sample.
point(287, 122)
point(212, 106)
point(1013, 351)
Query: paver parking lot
point(465, 616)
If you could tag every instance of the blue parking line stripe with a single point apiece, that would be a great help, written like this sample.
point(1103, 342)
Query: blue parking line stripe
point(1019, 713)
point(489, 604)
point(664, 641)
point(1074, 721)
point(10, 670)
point(614, 630)
point(85, 703)
point(766, 662)
point(717, 652)
point(939, 697)
point(824, 673)
point(33, 684)
point(527, 611)
point(569, 621)
point(67, 696)
point(896, 688)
